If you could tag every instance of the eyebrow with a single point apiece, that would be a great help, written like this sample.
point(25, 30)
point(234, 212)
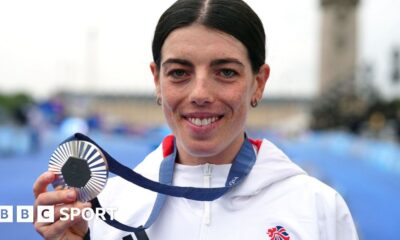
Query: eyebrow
point(223, 61)
point(177, 61)
point(213, 63)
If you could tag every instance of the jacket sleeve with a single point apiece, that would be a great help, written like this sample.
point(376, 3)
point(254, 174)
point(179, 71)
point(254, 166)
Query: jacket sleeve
point(345, 228)
point(334, 218)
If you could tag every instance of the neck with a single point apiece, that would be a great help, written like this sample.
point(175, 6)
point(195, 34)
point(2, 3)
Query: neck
point(226, 156)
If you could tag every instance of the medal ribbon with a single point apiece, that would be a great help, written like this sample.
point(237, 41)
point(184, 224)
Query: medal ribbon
point(241, 167)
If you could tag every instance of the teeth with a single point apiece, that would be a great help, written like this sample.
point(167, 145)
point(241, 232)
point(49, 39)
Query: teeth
point(202, 122)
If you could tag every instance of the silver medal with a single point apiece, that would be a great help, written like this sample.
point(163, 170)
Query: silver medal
point(79, 165)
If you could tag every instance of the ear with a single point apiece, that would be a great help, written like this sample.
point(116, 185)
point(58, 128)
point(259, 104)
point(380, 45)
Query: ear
point(261, 79)
point(156, 78)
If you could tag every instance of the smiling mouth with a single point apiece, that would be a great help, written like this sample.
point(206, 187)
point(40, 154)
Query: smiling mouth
point(202, 122)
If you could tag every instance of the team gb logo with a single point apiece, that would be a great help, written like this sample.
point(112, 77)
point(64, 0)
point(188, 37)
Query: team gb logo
point(278, 233)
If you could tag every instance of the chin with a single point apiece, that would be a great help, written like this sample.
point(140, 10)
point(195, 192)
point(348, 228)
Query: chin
point(201, 148)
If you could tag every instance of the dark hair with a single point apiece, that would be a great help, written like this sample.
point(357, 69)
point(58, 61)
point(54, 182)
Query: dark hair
point(233, 17)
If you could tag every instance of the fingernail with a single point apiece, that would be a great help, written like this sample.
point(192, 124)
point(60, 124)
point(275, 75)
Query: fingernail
point(71, 194)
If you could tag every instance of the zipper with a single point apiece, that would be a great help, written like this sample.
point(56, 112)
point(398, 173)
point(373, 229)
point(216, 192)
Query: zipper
point(207, 184)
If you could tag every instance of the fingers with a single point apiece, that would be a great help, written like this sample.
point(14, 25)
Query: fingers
point(56, 197)
point(66, 208)
point(59, 197)
point(41, 183)
point(58, 228)
point(64, 213)
point(62, 225)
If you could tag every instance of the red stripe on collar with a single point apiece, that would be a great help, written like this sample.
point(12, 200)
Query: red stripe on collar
point(168, 145)
point(256, 142)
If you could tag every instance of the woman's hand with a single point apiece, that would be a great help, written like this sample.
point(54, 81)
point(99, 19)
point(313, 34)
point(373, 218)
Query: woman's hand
point(59, 229)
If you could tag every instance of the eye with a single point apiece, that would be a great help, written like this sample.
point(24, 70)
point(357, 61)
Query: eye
point(178, 73)
point(227, 73)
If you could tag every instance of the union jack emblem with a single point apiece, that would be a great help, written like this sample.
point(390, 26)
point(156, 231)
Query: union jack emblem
point(278, 233)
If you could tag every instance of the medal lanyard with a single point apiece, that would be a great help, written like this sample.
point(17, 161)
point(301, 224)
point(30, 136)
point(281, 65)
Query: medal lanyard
point(241, 167)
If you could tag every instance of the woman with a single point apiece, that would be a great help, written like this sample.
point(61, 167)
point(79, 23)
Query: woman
point(209, 70)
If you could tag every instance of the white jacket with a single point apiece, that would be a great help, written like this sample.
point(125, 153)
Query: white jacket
point(275, 193)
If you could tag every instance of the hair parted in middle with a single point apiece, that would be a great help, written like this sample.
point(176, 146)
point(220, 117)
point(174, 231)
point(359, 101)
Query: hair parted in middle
point(233, 17)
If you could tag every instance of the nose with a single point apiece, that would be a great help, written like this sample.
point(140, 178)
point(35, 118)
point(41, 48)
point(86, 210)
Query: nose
point(202, 92)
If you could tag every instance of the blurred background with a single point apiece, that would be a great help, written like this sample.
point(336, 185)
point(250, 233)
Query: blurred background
point(332, 101)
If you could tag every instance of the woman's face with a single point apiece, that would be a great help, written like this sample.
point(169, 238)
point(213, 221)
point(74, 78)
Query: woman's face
point(206, 85)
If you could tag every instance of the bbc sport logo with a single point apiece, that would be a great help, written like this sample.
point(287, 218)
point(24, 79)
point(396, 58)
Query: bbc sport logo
point(45, 214)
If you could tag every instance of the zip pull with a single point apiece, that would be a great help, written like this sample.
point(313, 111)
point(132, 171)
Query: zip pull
point(207, 171)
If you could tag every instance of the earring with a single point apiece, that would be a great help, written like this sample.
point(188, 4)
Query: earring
point(254, 103)
point(159, 101)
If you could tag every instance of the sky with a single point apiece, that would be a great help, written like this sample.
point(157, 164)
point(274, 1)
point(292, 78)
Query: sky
point(99, 46)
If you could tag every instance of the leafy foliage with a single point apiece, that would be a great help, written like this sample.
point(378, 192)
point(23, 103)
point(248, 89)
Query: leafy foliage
point(13, 107)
